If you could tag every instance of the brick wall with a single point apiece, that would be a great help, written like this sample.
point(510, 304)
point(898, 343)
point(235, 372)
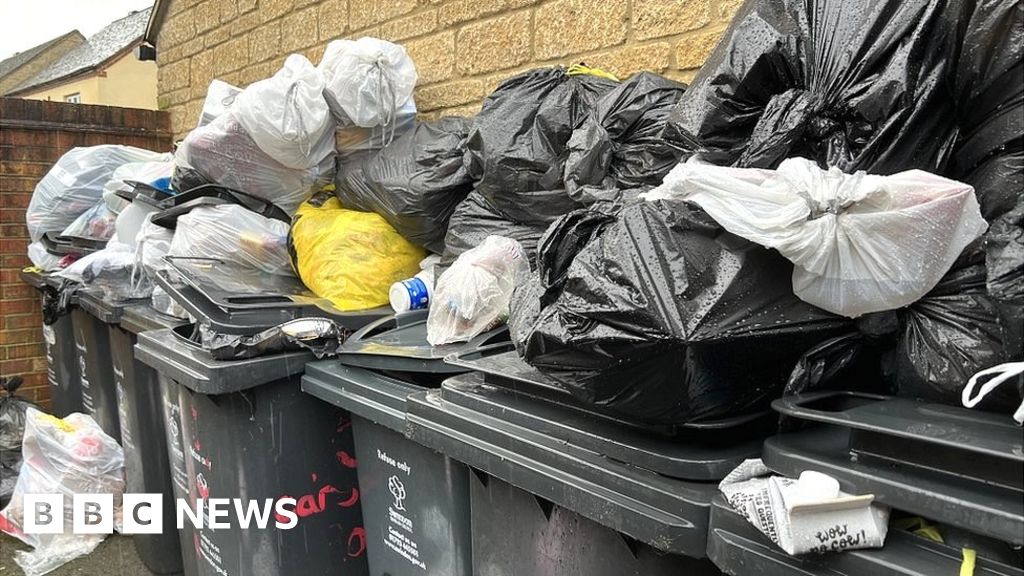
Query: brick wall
point(462, 48)
point(33, 135)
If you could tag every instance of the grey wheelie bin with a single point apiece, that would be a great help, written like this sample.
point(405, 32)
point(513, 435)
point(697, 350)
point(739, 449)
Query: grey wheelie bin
point(143, 434)
point(416, 502)
point(91, 321)
point(558, 488)
point(59, 341)
point(244, 429)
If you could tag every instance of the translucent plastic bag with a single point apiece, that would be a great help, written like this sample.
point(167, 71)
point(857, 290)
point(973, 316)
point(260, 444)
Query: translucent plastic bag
point(224, 153)
point(349, 140)
point(860, 243)
point(473, 295)
point(75, 184)
point(351, 258)
point(368, 80)
point(234, 234)
point(219, 97)
point(287, 116)
point(148, 172)
point(66, 457)
point(41, 258)
point(113, 270)
point(96, 223)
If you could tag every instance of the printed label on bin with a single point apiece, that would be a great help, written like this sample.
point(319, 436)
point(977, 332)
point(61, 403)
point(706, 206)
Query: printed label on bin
point(122, 410)
point(400, 536)
point(50, 338)
point(172, 416)
point(87, 402)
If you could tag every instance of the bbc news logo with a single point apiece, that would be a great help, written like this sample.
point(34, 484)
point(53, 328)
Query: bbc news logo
point(144, 514)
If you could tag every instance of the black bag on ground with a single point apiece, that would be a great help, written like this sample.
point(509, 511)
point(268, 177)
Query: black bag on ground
point(415, 182)
point(658, 315)
point(12, 430)
point(517, 148)
point(990, 106)
point(618, 145)
point(857, 85)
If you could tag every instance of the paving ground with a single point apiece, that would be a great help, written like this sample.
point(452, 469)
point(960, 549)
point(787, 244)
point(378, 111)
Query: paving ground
point(114, 557)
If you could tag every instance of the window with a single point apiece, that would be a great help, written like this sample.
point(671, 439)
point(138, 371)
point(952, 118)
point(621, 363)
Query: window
point(75, 98)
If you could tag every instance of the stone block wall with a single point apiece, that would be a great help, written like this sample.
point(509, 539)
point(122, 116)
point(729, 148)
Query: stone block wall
point(462, 48)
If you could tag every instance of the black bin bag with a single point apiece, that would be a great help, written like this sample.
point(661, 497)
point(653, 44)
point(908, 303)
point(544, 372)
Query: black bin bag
point(475, 219)
point(415, 182)
point(517, 148)
point(861, 85)
point(990, 105)
point(618, 145)
point(1004, 263)
point(658, 315)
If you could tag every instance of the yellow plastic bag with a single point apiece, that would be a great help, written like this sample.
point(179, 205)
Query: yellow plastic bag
point(351, 258)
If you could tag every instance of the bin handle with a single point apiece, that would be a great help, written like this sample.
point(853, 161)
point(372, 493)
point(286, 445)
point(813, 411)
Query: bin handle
point(796, 405)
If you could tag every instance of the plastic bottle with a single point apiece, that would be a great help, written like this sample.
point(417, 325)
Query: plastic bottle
point(414, 293)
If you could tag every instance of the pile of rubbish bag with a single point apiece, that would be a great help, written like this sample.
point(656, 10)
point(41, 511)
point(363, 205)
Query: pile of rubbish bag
point(833, 202)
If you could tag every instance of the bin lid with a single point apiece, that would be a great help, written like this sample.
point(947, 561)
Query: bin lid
point(960, 467)
point(667, 513)
point(212, 195)
point(365, 393)
point(233, 299)
point(503, 367)
point(399, 343)
point(33, 278)
point(186, 363)
point(737, 547)
point(107, 311)
point(143, 318)
point(56, 244)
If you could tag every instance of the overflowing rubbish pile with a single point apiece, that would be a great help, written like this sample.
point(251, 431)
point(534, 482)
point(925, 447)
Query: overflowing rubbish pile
point(835, 203)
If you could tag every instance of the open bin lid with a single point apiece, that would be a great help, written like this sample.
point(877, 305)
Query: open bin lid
point(212, 195)
point(960, 467)
point(737, 547)
point(107, 311)
point(399, 343)
point(57, 245)
point(666, 513)
point(185, 362)
point(233, 299)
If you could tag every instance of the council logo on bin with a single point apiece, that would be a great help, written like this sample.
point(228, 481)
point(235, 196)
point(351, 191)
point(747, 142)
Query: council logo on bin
point(398, 491)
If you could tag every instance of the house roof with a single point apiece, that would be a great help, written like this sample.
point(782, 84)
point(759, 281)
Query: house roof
point(113, 40)
point(21, 58)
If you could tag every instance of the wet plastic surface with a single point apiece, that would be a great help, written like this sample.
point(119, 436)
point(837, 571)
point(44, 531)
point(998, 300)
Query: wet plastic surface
point(952, 465)
point(244, 429)
point(668, 514)
point(737, 548)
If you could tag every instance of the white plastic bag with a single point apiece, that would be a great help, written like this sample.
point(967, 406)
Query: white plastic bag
point(473, 295)
point(368, 80)
point(96, 223)
point(287, 116)
point(219, 97)
point(860, 243)
point(234, 234)
point(66, 457)
point(41, 258)
point(75, 184)
point(147, 172)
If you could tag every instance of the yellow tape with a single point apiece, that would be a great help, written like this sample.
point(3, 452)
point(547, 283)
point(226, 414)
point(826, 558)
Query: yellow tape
point(967, 566)
point(64, 426)
point(577, 69)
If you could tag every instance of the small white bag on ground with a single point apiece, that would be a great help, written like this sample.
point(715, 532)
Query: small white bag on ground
point(234, 234)
point(287, 115)
point(66, 457)
point(860, 243)
point(368, 80)
point(473, 295)
point(75, 184)
point(806, 515)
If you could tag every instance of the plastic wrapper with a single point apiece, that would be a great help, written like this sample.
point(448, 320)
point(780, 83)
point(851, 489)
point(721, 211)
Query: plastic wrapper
point(655, 313)
point(321, 336)
point(75, 184)
point(351, 258)
point(517, 148)
point(473, 295)
point(223, 153)
point(367, 80)
point(66, 457)
point(860, 243)
point(856, 85)
point(619, 145)
point(989, 82)
point(147, 172)
point(948, 336)
point(287, 116)
point(96, 223)
point(475, 219)
point(219, 97)
point(234, 234)
point(414, 183)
